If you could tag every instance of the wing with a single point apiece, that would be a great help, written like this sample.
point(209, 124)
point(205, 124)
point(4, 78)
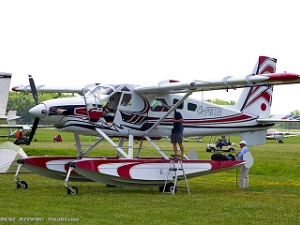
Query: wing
point(291, 135)
point(173, 86)
point(281, 135)
point(10, 130)
point(54, 89)
point(11, 126)
point(279, 118)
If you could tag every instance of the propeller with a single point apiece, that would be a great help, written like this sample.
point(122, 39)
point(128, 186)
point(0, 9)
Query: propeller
point(33, 89)
point(36, 120)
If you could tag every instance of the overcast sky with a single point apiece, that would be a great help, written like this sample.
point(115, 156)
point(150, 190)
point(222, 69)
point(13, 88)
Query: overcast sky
point(71, 42)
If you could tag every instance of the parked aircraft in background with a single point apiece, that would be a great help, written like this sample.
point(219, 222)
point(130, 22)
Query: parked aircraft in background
point(133, 112)
point(8, 124)
point(280, 135)
point(11, 117)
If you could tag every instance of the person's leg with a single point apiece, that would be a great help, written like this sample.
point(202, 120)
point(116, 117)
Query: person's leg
point(174, 143)
point(181, 150)
point(175, 148)
point(244, 177)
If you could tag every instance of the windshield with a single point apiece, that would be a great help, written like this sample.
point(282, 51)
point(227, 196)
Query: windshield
point(100, 93)
point(103, 90)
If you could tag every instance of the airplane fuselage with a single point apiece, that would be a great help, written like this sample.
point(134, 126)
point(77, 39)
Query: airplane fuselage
point(135, 114)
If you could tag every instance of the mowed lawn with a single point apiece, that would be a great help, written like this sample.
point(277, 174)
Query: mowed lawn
point(273, 196)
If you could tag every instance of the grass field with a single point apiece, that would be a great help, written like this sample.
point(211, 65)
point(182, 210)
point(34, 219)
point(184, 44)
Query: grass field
point(273, 196)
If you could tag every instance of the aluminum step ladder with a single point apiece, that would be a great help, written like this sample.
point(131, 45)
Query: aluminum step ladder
point(174, 168)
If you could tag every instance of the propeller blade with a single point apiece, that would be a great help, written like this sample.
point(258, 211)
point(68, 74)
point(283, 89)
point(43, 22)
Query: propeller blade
point(33, 89)
point(33, 129)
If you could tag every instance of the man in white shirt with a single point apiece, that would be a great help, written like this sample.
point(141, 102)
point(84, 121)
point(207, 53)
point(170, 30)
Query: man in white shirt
point(244, 173)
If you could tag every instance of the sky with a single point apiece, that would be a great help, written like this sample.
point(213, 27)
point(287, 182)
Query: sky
point(72, 42)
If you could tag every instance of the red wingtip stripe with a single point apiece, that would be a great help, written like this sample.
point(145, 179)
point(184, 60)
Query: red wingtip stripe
point(283, 76)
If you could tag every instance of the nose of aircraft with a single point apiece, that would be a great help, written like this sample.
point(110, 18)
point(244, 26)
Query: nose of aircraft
point(39, 111)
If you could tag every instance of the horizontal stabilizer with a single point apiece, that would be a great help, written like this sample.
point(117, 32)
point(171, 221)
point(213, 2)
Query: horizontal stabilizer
point(279, 118)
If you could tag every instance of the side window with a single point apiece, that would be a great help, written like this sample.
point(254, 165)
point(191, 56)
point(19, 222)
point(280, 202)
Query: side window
point(112, 103)
point(192, 107)
point(175, 101)
point(126, 100)
point(159, 105)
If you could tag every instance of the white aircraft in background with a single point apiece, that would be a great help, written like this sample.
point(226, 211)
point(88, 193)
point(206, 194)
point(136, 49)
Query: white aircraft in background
point(11, 117)
point(133, 112)
point(280, 135)
point(8, 124)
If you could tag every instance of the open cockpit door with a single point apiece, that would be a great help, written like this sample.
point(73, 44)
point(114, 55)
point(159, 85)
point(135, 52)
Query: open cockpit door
point(100, 101)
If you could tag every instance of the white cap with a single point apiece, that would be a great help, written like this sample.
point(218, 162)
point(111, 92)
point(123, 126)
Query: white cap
point(243, 142)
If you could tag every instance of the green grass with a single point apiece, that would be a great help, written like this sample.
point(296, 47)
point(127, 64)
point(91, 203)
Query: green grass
point(273, 196)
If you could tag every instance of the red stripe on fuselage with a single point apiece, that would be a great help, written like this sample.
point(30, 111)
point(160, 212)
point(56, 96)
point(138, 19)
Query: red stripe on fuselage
point(236, 118)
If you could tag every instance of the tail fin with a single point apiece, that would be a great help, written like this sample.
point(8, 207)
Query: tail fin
point(258, 100)
point(11, 117)
point(5, 79)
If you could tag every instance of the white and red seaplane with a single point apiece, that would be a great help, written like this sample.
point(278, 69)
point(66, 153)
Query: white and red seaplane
point(132, 112)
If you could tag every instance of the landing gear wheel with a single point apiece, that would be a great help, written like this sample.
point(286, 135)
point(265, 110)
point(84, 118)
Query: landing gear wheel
point(22, 184)
point(73, 192)
point(170, 187)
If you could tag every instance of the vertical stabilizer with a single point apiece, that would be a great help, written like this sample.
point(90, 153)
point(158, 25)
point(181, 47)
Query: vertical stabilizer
point(5, 79)
point(11, 117)
point(258, 100)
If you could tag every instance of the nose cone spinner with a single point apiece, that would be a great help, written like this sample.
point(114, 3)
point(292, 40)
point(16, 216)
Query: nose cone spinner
point(39, 111)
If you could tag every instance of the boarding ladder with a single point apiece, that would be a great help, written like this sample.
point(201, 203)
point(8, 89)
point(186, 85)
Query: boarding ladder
point(174, 167)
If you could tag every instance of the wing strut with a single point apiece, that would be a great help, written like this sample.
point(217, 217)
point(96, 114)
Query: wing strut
point(113, 143)
point(169, 112)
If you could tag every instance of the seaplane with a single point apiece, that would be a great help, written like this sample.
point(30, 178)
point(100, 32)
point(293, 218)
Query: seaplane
point(133, 113)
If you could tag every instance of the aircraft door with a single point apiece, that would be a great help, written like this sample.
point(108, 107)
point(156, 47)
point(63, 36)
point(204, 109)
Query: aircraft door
point(111, 107)
point(94, 112)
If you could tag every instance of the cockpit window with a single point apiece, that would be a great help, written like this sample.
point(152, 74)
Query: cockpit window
point(126, 100)
point(100, 93)
point(159, 105)
point(103, 90)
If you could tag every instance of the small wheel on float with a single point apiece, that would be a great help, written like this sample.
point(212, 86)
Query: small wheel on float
point(170, 187)
point(74, 191)
point(22, 184)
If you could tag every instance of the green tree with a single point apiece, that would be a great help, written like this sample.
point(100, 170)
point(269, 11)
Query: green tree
point(23, 102)
point(221, 102)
